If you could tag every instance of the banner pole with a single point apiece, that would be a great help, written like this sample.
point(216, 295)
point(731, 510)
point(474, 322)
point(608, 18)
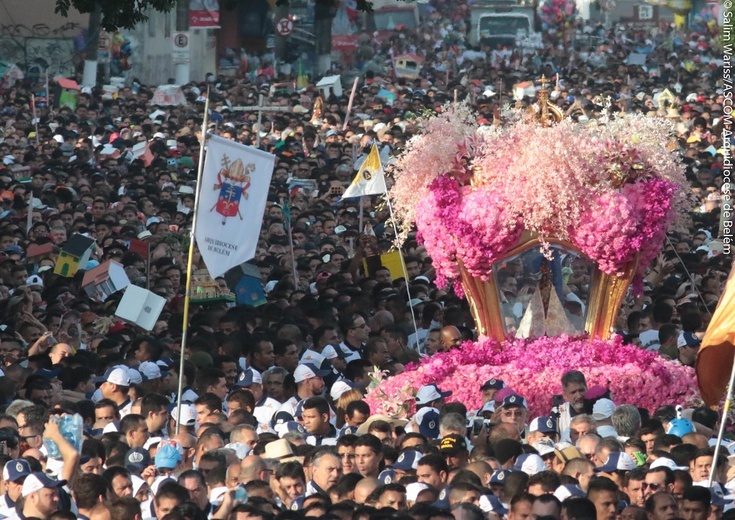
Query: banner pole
point(349, 104)
point(190, 259)
point(403, 266)
point(723, 423)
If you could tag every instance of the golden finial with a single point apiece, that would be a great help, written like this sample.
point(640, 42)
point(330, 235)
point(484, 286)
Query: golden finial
point(545, 112)
point(544, 82)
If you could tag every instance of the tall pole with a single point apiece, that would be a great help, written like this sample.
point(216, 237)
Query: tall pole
point(190, 260)
point(89, 77)
point(182, 71)
point(723, 423)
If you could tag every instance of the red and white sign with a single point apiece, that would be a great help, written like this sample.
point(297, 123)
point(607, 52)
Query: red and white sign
point(204, 14)
point(284, 27)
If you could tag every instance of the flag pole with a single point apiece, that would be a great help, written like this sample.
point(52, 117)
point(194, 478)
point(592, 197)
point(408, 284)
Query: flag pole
point(190, 260)
point(403, 266)
point(290, 241)
point(349, 104)
point(723, 423)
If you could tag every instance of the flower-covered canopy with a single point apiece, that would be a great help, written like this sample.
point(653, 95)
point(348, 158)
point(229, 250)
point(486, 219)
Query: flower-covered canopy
point(611, 189)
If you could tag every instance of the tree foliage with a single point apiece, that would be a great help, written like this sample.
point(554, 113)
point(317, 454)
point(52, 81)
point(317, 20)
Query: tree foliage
point(123, 14)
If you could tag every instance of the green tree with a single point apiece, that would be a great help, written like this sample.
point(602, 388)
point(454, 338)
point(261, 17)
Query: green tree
point(123, 14)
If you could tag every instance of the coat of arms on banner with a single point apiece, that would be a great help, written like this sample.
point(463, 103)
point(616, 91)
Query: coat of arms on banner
point(233, 181)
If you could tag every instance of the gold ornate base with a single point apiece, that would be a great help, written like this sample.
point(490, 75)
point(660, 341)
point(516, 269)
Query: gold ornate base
point(605, 297)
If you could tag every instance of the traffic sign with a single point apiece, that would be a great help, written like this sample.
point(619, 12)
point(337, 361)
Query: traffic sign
point(181, 52)
point(284, 27)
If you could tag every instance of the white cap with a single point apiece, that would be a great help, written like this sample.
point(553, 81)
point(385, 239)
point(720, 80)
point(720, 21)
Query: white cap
point(429, 393)
point(603, 409)
point(118, 376)
point(544, 446)
point(257, 378)
point(34, 280)
point(152, 441)
point(311, 356)
point(217, 494)
point(665, 462)
point(37, 481)
point(530, 464)
point(304, 372)
point(339, 388)
point(135, 377)
point(188, 414)
point(150, 370)
point(137, 483)
point(329, 352)
point(413, 490)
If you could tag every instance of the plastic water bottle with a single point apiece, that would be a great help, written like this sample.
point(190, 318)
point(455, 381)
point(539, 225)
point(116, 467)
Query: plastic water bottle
point(71, 428)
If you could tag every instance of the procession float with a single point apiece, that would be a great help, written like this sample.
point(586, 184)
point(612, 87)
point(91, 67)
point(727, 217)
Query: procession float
point(573, 215)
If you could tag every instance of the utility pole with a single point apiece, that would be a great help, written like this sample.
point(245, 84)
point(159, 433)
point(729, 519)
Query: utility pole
point(182, 71)
point(89, 76)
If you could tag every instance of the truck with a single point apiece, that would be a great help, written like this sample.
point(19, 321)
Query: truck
point(388, 15)
point(501, 23)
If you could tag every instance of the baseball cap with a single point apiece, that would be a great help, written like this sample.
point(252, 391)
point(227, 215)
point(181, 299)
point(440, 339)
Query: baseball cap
point(543, 424)
point(617, 461)
point(34, 280)
point(307, 371)
point(136, 377)
point(452, 445)
point(39, 480)
point(719, 499)
point(117, 376)
point(137, 460)
point(544, 447)
point(567, 491)
point(339, 388)
point(413, 490)
point(249, 377)
point(16, 469)
point(497, 384)
point(603, 409)
point(188, 414)
point(514, 400)
point(387, 476)
point(499, 476)
point(530, 464)
point(428, 421)
point(492, 504)
point(149, 370)
point(686, 339)
point(429, 393)
point(665, 462)
point(330, 352)
point(167, 456)
point(408, 460)
point(488, 407)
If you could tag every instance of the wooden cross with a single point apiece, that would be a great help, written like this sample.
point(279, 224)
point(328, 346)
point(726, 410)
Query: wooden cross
point(260, 108)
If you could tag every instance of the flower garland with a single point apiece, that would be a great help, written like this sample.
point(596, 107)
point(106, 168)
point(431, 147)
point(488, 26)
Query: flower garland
point(533, 368)
point(611, 189)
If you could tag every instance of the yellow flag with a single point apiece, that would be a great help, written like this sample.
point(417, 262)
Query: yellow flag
point(715, 357)
point(370, 179)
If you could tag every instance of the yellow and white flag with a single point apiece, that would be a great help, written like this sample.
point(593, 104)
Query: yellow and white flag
point(370, 178)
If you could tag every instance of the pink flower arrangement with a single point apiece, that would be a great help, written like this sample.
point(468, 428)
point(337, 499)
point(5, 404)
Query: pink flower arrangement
point(611, 189)
point(533, 368)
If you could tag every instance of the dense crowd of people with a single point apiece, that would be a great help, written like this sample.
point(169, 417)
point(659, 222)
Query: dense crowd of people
point(272, 422)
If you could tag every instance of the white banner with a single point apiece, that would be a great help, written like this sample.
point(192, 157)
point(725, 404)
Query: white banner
point(232, 200)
